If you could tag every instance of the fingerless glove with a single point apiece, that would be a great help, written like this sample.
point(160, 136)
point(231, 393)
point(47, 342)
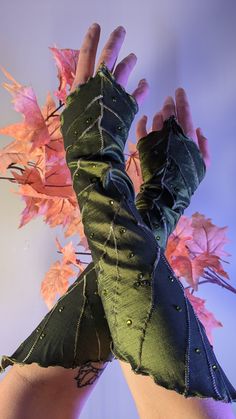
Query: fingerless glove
point(172, 169)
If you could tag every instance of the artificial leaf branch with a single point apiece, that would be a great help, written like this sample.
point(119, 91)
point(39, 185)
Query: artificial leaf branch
point(36, 161)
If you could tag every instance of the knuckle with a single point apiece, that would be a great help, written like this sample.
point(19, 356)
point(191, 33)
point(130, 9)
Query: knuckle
point(168, 107)
point(86, 50)
point(122, 66)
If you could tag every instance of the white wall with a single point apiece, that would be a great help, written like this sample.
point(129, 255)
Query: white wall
point(178, 43)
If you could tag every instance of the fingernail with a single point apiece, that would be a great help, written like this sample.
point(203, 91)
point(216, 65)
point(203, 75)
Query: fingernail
point(94, 25)
point(120, 29)
point(133, 55)
point(143, 81)
point(144, 117)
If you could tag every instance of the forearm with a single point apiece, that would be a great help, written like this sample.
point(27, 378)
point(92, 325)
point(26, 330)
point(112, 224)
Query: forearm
point(33, 392)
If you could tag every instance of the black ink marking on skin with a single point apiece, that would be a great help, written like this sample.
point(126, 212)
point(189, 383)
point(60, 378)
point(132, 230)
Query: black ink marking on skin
point(88, 374)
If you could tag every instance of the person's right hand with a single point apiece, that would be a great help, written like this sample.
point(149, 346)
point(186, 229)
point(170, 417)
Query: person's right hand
point(180, 108)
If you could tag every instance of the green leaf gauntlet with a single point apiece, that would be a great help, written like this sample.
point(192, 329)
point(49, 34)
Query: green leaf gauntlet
point(172, 168)
point(153, 325)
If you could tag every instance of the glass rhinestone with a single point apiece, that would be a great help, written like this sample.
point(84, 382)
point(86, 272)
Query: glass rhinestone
point(178, 308)
point(61, 309)
point(197, 350)
point(111, 202)
point(129, 322)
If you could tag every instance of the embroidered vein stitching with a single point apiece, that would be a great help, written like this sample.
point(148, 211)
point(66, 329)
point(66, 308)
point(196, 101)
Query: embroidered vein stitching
point(208, 361)
point(187, 353)
point(115, 300)
point(87, 107)
point(87, 129)
point(48, 318)
point(114, 113)
point(80, 317)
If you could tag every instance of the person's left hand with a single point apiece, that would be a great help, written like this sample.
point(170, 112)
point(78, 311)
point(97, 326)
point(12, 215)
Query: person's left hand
point(180, 108)
point(121, 72)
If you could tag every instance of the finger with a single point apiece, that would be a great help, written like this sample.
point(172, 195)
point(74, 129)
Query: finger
point(141, 92)
point(168, 108)
point(157, 122)
point(203, 146)
point(184, 115)
point(87, 56)
point(124, 69)
point(141, 128)
point(112, 48)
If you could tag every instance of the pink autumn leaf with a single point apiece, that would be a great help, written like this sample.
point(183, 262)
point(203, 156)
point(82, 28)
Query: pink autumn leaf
point(30, 211)
point(178, 240)
point(69, 255)
point(25, 102)
point(190, 270)
point(74, 224)
point(68, 252)
point(207, 237)
point(84, 243)
point(56, 181)
point(56, 281)
point(54, 150)
point(132, 166)
point(206, 317)
point(59, 211)
point(66, 62)
point(15, 152)
point(184, 228)
point(56, 210)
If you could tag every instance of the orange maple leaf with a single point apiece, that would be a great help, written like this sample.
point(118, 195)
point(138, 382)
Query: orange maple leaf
point(74, 224)
point(57, 181)
point(56, 281)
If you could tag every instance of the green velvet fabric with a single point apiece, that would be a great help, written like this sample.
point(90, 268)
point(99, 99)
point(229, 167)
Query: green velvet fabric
point(151, 323)
point(172, 168)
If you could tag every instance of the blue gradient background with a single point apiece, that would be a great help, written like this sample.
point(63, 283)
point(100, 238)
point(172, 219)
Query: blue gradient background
point(178, 43)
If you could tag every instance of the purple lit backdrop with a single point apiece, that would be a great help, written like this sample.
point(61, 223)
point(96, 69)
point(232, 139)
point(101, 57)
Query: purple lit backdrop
point(178, 43)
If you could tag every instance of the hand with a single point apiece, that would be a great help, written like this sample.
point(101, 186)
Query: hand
point(109, 55)
point(180, 108)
